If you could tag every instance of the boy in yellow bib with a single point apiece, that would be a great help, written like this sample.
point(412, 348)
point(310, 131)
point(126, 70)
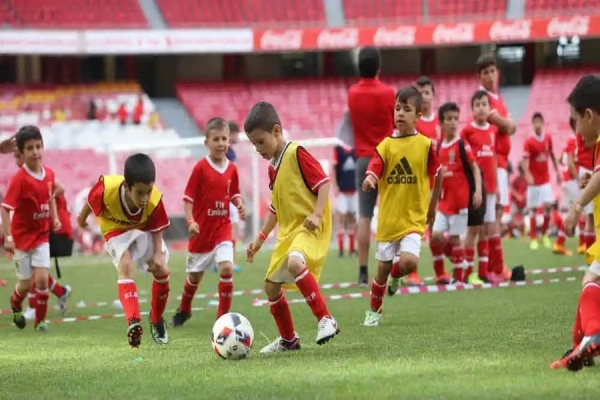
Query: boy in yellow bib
point(401, 169)
point(300, 206)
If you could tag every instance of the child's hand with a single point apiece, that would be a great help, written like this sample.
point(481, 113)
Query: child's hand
point(370, 183)
point(242, 210)
point(584, 179)
point(193, 228)
point(477, 199)
point(56, 225)
point(312, 222)
point(252, 249)
point(529, 179)
point(82, 222)
point(9, 245)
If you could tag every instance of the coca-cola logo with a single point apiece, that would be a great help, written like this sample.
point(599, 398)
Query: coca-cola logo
point(515, 30)
point(337, 39)
point(392, 37)
point(458, 33)
point(290, 39)
point(574, 26)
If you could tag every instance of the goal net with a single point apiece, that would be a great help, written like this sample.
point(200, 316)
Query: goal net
point(175, 159)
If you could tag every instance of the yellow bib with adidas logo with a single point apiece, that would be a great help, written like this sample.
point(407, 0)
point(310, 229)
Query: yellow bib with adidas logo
point(403, 187)
point(593, 253)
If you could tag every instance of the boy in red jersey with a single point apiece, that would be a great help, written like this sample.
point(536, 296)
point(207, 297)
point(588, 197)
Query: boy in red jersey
point(500, 118)
point(518, 198)
point(63, 293)
point(428, 122)
point(30, 198)
point(481, 136)
point(537, 149)
point(212, 186)
point(451, 218)
point(132, 219)
point(584, 102)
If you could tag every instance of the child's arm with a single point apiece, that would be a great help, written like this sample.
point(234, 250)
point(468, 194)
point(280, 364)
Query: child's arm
point(54, 214)
point(59, 190)
point(6, 224)
point(322, 197)
point(84, 215)
point(571, 165)
point(591, 190)
point(477, 177)
point(270, 224)
point(374, 172)
point(505, 125)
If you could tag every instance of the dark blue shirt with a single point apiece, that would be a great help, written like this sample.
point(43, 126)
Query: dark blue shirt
point(230, 154)
point(345, 169)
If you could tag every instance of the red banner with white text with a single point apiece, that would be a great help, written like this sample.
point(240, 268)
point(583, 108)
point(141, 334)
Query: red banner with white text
point(462, 33)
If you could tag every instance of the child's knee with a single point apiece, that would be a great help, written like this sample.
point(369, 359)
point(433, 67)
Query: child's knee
point(195, 277)
point(438, 238)
point(24, 285)
point(125, 269)
point(272, 290)
point(225, 268)
point(408, 263)
point(295, 263)
point(40, 276)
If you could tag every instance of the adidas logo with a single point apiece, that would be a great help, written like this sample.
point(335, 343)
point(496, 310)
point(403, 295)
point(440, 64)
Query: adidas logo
point(402, 174)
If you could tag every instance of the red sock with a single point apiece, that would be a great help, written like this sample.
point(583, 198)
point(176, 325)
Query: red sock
point(311, 292)
point(561, 235)
point(447, 249)
point(351, 243)
point(577, 328)
point(533, 227)
point(458, 260)
point(280, 310)
point(482, 258)
point(31, 296)
point(590, 238)
point(160, 296)
point(470, 259)
point(55, 287)
point(16, 301)
point(128, 295)
point(189, 291)
point(438, 258)
point(589, 309)
point(496, 262)
point(377, 294)
point(546, 223)
point(340, 238)
point(582, 232)
point(41, 304)
point(225, 294)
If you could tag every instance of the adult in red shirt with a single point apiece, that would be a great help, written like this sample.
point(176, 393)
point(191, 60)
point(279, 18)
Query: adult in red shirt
point(371, 109)
point(428, 123)
point(537, 151)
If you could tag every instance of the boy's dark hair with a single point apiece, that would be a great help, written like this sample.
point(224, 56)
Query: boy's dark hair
point(216, 123)
point(486, 60)
point(425, 81)
point(410, 92)
point(573, 124)
point(262, 116)
point(139, 168)
point(27, 133)
point(537, 115)
point(233, 127)
point(478, 95)
point(586, 94)
point(369, 62)
point(445, 108)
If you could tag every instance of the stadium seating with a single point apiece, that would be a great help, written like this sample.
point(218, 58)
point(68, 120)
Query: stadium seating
point(552, 6)
point(365, 11)
point(466, 9)
point(197, 13)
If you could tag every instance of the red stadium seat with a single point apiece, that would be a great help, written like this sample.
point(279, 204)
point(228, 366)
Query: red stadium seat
point(195, 13)
point(361, 11)
point(455, 9)
point(552, 6)
point(73, 14)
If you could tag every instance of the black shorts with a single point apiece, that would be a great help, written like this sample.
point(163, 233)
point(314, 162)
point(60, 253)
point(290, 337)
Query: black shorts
point(476, 215)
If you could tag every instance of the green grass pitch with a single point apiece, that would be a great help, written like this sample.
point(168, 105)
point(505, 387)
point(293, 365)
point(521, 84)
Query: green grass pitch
point(474, 344)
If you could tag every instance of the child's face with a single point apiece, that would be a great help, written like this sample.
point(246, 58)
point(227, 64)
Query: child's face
point(139, 193)
point(481, 108)
point(265, 142)
point(405, 116)
point(450, 123)
point(587, 125)
point(488, 77)
point(32, 152)
point(427, 95)
point(538, 125)
point(217, 142)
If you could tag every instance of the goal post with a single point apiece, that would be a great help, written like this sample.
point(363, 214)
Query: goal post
point(188, 150)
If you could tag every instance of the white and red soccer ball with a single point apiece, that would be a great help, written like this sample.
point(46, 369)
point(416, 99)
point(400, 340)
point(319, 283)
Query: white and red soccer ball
point(232, 336)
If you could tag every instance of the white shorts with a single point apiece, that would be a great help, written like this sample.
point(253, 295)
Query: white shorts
point(502, 177)
point(454, 225)
point(200, 262)
point(490, 208)
point(387, 251)
point(25, 261)
point(347, 203)
point(283, 274)
point(595, 267)
point(571, 191)
point(538, 195)
point(139, 243)
point(234, 214)
point(589, 209)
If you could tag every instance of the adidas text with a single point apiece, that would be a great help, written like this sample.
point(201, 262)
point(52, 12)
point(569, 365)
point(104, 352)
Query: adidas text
point(402, 179)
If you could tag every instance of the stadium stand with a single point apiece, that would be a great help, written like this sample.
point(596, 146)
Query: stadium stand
point(360, 11)
point(195, 13)
point(72, 14)
point(552, 6)
point(466, 9)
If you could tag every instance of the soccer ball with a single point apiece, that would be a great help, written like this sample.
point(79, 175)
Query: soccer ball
point(232, 336)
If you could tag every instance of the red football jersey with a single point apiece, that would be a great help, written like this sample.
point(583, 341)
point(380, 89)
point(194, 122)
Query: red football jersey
point(28, 196)
point(584, 156)
point(519, 185)
point(210, 189)
point(455, 192)
point(502, 139)
point(538, 149)
point(569, 149)
point(482, 142)
point(429, 127)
